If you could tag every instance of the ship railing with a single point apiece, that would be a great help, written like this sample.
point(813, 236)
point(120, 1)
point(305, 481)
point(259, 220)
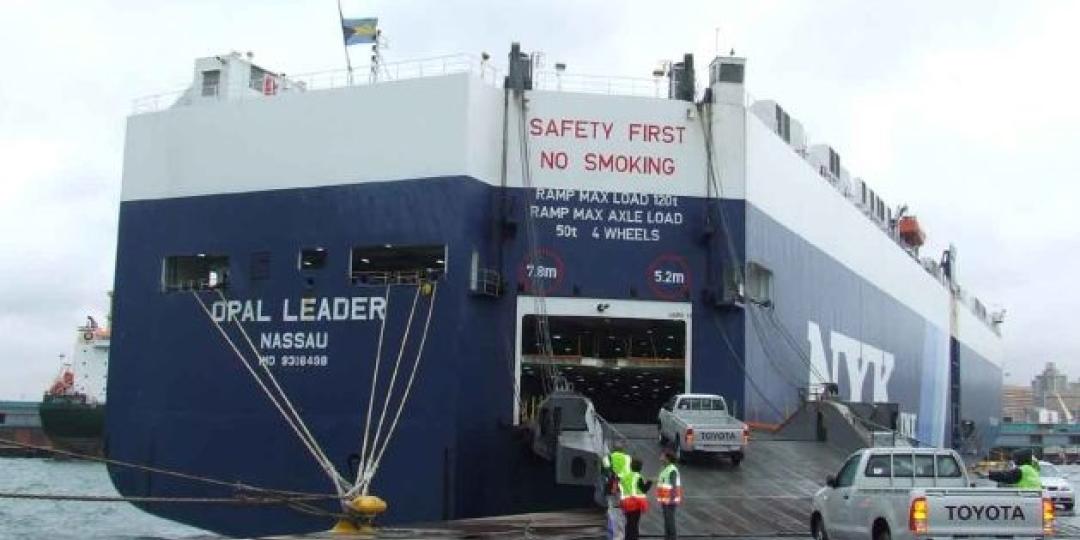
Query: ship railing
point(486, 282)
point(362, 75)
point(403, 277)
point(195, 285)
point(599, 84)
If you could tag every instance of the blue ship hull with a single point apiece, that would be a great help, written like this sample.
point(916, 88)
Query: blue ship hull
point(180, 399)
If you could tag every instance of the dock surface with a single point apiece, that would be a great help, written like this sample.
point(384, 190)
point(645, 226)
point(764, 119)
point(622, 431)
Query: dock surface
point(766, 497)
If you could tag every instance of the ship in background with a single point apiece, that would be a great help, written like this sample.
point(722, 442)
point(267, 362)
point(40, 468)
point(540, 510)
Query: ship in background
point(73, 408)
point(636, 237)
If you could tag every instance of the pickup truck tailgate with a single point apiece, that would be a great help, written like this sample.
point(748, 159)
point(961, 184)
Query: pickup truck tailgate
point(717, 439)
point(984, 512)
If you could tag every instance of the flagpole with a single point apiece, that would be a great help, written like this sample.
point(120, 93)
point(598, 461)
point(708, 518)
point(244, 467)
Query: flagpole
point(345, 42)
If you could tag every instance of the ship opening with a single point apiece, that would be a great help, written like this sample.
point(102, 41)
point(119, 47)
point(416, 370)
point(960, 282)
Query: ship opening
point(628, 367)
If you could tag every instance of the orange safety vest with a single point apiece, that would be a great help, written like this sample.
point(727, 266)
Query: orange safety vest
point(669, 492)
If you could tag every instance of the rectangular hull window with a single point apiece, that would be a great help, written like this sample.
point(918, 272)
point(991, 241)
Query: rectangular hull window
point(397, 265)
point(260, 265)
point(195, 272)
point(312, 258)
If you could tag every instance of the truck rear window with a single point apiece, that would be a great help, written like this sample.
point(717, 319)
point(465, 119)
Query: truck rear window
point(918, 465)
point(879, 466)
point(924, 466)
point(908, 466)
point(902, 466)
point(947, 467)
point(701, 404)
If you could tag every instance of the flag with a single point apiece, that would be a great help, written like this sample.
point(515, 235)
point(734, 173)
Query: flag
point(359, 30)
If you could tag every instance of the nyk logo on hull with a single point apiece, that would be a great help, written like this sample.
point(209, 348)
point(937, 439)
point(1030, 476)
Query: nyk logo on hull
point(859, 358)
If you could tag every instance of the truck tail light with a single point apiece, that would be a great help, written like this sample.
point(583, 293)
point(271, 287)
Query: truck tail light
point(746, 436)
point(919, 516)
point(1048, 516)
point(690, 437)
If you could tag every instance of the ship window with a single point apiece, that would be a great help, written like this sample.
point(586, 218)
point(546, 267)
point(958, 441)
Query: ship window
point(255, 82)
point(3, 418)
point(195, 272)
point(312, 258)
point(397, 265)
point(758, 283)
point(211, 79)
point(732, 73)
point(260, 265)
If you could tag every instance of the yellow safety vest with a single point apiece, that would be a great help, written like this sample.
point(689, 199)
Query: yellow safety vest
point(1029, 477)
point(667, 491)
point(618, 462)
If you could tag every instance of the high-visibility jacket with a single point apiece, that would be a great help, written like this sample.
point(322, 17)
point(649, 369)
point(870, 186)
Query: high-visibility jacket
point(631, 498)
point(1029, 477)
point(618, 462)
point(669, 486)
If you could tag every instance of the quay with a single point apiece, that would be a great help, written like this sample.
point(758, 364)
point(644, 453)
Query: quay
point(20, 422)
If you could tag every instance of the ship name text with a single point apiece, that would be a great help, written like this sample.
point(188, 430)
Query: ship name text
point(310, 309)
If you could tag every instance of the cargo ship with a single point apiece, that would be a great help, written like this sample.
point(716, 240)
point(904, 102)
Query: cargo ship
point(73, 408)
point(501, 230)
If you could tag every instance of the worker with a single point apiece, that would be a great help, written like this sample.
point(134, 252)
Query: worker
point(634, 503)
point(1025, 474)
point(616, 465)
point(669, 492)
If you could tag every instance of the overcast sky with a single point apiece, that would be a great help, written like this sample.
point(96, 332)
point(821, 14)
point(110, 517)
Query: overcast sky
point(966, 111)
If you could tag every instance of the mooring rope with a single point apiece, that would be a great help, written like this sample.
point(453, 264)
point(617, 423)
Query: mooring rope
point(168, 472)
point(327, 467)
point(340, 484)
point(374, 381)
point(408, 386)
point(366, 471)
point(362, 476)
point(262, 500)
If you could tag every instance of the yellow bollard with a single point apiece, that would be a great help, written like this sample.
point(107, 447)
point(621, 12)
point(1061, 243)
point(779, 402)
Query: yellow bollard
point(362, 512)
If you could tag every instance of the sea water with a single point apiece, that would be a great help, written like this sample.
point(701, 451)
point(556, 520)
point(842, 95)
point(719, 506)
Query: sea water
point(36, 519)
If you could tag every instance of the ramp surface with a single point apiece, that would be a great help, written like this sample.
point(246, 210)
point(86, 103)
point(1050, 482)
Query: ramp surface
point(768, 494)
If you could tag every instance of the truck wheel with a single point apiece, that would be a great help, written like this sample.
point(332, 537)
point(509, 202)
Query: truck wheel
point(817, 529)
point(660, 436)
point(678, 453)
point(736, 459)
point(883, 534)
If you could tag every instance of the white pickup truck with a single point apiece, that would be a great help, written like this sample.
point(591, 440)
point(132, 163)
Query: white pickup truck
point(691, 423)
point(921, 493)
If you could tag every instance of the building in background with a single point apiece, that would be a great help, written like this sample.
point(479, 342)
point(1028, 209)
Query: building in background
point(1052, 390)
point(1016, 403)
point(1041, 417)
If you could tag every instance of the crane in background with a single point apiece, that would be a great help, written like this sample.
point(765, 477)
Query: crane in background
point(1064, 408)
